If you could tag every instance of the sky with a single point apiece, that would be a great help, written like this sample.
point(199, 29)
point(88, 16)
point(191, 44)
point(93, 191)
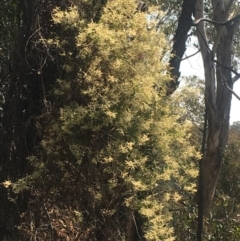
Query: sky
point(194, 66)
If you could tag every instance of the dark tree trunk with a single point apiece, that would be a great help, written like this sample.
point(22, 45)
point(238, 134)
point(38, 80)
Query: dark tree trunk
point(23, 96)
point(179, 45)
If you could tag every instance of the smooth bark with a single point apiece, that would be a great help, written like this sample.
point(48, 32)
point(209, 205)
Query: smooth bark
point(217, 96)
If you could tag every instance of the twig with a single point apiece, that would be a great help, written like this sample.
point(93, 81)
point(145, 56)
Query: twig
point(26, 50)
point(189, 56)
point(136, 226)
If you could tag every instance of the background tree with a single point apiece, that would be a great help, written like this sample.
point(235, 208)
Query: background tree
point(223, 223)
point(218, 86)
point(219, 81)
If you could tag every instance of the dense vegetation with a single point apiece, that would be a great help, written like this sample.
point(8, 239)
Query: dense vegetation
point(96, 144)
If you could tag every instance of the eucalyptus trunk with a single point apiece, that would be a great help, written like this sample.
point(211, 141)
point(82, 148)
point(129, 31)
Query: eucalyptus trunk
point(218, 81)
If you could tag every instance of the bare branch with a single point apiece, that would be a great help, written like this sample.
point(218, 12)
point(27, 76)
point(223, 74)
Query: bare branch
point(230, 89)
point(187, 57)
point(234, 93)
point(227, 67)
point(216, 22)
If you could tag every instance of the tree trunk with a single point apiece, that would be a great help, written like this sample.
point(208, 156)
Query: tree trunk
point(179, 45)
point(217, 96)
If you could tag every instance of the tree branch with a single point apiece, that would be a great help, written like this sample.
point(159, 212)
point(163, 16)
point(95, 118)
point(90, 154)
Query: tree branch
point(230, 89)
point(237, 75)
point(234, 93)
point(216, 22)
point(191, 55)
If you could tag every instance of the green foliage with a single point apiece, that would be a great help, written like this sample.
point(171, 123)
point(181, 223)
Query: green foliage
point(190, 97)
